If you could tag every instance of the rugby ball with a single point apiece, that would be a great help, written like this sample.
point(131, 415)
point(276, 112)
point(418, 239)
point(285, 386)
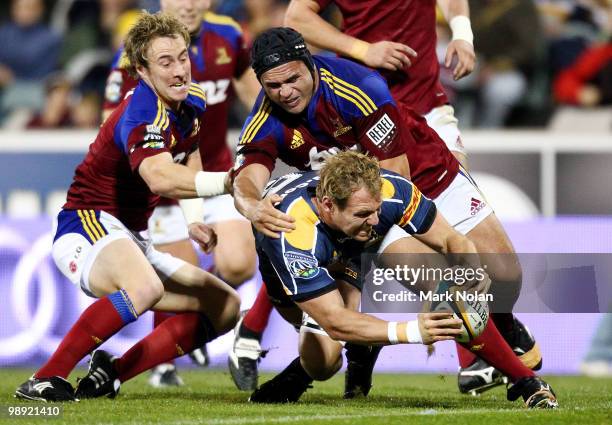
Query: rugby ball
point(465, 305)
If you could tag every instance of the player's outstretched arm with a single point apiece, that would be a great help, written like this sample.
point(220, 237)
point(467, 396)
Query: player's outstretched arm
point(248, 187)
point(170, 180)
point(461, 47)
point(303, 15)
point(343, 324)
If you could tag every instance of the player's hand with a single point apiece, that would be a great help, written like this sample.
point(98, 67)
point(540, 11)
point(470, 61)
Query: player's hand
point(466, 58)
point(438, 326)
point(389, 55)
point(203, 235)
point(270, 221)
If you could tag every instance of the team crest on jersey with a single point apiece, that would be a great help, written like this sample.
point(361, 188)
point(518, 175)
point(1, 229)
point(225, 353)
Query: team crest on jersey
point(382, 132)
point(339, 128)
point(301, 266)
point(153, 132)
point(153, 145)
point(222, 57)
point(297, 140)
point(196, 127)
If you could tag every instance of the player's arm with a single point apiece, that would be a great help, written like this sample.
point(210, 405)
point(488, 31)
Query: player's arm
point(457, 14)
point(248, 187)
point(398, 164)
point(303, 15)
point(171, 180)
point(343, 324)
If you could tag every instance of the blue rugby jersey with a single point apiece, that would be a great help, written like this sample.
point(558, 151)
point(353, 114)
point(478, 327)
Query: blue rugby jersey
point(301, 257)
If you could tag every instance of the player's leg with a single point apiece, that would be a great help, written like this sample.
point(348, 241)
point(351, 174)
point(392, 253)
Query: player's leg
point(95, 250)
point(205, 308)
point(168, 231)
point(443, 121)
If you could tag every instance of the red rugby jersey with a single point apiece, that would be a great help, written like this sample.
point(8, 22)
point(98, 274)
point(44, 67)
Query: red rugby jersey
point(412, 22)
point(140, 127)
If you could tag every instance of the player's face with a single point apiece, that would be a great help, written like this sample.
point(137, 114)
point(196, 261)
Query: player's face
point(169, 70)
point(289, 85)
point(359, 216)
point(189, 12)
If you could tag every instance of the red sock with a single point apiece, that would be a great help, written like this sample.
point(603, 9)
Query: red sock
point(158, 318)
point(97, 323)
point(257, 317)
point(177, 335)
point(491, 347)
point(466, 357)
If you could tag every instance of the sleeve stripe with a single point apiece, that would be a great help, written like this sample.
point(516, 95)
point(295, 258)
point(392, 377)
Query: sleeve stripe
point(260, 117)
point(161, 119)
point(351, 89)
point(350, 99)
point(411, 208)
point(196, 89)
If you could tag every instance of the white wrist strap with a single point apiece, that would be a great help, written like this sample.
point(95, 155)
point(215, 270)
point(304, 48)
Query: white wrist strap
point(210, 183)
point(193, 209)
point(462, 29)
point(413, 332)
point(404, 332)
point(392, 333)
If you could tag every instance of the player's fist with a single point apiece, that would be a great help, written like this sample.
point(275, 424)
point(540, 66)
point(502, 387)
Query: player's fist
point(203, 235)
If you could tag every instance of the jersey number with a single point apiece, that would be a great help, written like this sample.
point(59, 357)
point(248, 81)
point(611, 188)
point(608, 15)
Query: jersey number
point(216, 91)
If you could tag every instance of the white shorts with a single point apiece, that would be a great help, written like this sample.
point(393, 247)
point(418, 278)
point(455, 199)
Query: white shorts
point(220, 208)
point(82, 234)
point(167, 223)
point(442, 119)
point(462, 204)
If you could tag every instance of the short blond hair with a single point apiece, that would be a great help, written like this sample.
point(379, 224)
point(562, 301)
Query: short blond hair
point(148, 28)
point(346, 173)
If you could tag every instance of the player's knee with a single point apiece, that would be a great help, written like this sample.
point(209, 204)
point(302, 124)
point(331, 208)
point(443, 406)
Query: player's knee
point(323, 370)
point(146, 295)
point(235, 273)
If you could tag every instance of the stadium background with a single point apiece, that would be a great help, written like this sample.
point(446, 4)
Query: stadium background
point(545, 170)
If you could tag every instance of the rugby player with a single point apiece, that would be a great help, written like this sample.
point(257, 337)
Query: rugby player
point(138, 156)
point(347, 210)
point(312, 107)
point(220, 64)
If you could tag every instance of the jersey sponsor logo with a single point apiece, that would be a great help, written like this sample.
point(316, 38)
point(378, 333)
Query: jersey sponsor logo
point(297, 140)
point(222, 57)
point(216, 91)
point(154, 145)
point(476, 205)
point(340, 128)
point(317, 159)
point(112, 91)
point(300, 265)
point(382, 132)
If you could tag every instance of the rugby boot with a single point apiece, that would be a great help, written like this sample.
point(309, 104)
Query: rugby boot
point(360, 361)
point(101, 379)
point(536, 393)
point(286, 387)
point(479, 377)
point(54, 388)
point(165, 375)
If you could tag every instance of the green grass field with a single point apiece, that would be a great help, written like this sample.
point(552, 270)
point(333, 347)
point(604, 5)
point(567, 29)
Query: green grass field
point(209, 397)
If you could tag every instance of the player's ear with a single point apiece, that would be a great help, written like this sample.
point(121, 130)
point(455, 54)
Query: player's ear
point(327, 204)
point(142, 71)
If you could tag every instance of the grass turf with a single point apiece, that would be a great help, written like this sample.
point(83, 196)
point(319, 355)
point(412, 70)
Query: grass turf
point(209, 397)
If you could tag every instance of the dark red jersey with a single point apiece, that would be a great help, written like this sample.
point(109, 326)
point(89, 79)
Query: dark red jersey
point(352, 108)
point(139, 128)
point(412, 22)
point(218, 53)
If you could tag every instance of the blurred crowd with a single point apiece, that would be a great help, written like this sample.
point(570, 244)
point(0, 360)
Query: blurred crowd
point(534, 56)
